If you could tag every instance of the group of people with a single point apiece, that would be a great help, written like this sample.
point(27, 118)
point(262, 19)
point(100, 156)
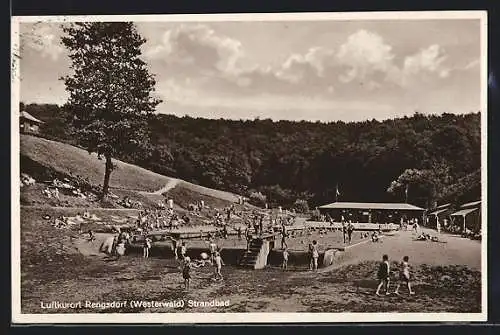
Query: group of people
point(411, 223)
point(384, 276)
point(187, 264)
point(347, 230)
point(151, 219)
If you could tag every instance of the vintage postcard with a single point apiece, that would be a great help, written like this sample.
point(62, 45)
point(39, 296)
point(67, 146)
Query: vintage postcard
point(243, 168)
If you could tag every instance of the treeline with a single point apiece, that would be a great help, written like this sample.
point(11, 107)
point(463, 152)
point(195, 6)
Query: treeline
point(435, 158)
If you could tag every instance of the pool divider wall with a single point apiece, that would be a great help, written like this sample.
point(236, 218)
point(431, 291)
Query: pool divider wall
point(232, 256)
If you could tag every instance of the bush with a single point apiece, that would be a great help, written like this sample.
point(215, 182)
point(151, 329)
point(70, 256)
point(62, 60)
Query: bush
point(301, 206)
point(315, 215)
point(257, 198)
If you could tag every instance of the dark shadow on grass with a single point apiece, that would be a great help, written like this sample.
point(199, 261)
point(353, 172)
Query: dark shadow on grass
point(366, 283)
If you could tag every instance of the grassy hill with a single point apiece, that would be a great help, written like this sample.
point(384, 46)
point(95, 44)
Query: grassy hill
point(67, 159)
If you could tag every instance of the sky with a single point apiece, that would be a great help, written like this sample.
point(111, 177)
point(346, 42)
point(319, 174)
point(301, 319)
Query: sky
point(287, 70)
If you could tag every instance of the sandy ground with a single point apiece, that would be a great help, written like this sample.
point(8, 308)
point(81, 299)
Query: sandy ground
point(446, 278)
point(451, 250)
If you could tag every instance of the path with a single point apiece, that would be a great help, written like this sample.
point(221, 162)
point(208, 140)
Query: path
point(170, 185)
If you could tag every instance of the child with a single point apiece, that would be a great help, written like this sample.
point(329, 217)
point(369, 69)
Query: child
point(309, 253)
point(285, 259)
point(383, 275)
point(91, 236)
point(350, 229)
point(186, 272)
point(344, 231)
point(315, 255)
point(175, 247)
point(404, 276)
point(146, 247)
point(183, 250)
point(213, 249)
point(284, 245)
point(218, 266)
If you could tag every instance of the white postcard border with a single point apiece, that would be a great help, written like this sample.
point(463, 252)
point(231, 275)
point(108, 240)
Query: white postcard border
point(199, 318)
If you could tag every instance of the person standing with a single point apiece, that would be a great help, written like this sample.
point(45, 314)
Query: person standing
point(175, 247)
point(383, 275)
point(285, 259)
point(261, 224)
point(183, 250)
point(283, 238)
point(350, 229)
point(248, 235)
point(344, 231)
point(218, 266)
point(404, 276)
point(186, 272)
point(315, 255)
point(146, 247)
point(309, 254)
point(213, 249)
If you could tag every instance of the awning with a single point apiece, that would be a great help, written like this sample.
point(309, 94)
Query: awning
point(469, 204)
point(464, 212)
point(443, 206)
point(436, 213)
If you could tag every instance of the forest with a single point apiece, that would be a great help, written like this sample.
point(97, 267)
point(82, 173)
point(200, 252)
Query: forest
point(421, 159)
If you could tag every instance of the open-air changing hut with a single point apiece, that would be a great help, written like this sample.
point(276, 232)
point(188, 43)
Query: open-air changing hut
point(439, 213)
point(469, 215)
point(375, 212)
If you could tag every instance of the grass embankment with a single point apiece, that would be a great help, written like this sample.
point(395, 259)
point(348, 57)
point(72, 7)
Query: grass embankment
point(126, 180)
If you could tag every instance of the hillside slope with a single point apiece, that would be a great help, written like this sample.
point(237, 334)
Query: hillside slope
point(67, 159)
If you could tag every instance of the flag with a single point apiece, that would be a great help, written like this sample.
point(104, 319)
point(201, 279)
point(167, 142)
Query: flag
point(337, 193)
point(406, 192)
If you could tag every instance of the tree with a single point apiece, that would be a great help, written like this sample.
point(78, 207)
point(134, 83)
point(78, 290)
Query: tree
point(429, 184)
point(301, 206)
point(110, 89)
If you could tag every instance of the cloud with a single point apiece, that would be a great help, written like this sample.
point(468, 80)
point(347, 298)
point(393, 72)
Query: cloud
point(364, 54)
point(197, 45)
point(428, 61)
point(43, 39)
point(364, 61)
point(207, 70)
point(312, 63)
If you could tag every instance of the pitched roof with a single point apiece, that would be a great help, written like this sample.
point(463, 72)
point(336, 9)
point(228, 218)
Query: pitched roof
point(371, 205)
point(464, 211)
point(439, 211)
point(443, 206)
point(469, 204)
point(30, 117)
